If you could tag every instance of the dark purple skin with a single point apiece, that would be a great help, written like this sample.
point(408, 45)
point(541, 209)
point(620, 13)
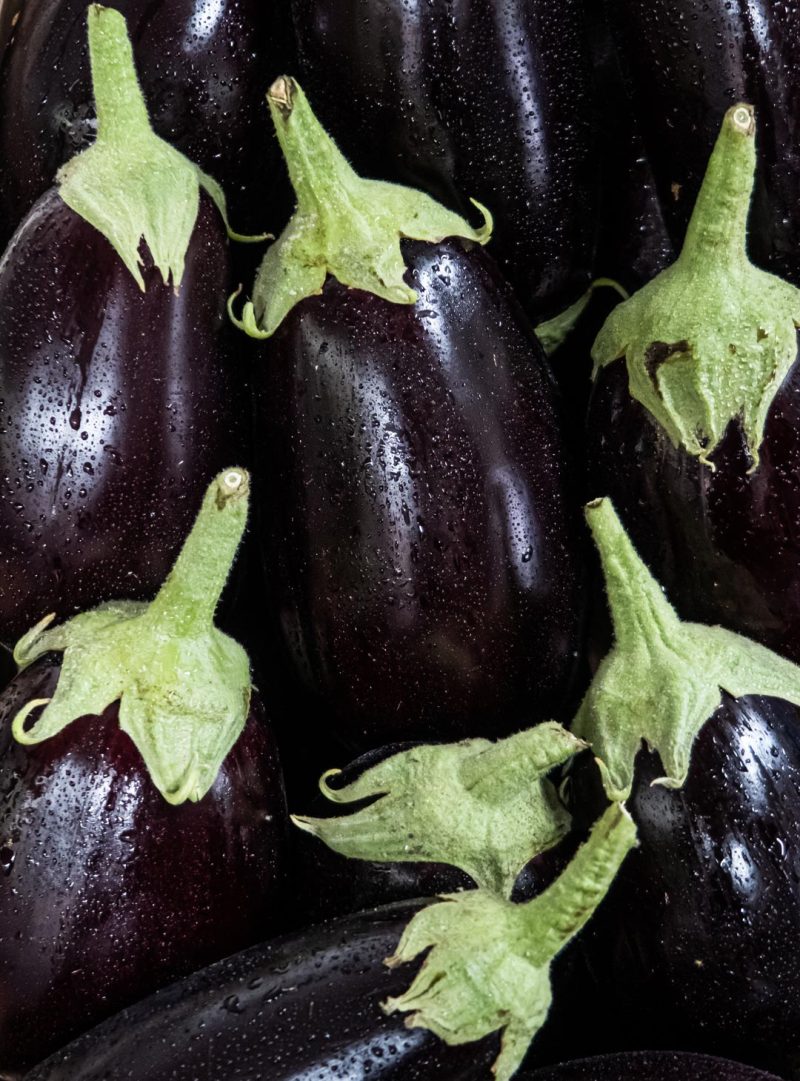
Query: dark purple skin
point(419, 531)
point(304, 1008)
point(725, 545)
point(690, 60)
point(469, 99)
point(204, 77)
point(693, 948)
point(117, 408)
point(107, 892)
point(649, 1066)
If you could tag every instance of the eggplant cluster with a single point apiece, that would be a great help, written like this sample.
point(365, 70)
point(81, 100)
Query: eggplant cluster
point(332, 479)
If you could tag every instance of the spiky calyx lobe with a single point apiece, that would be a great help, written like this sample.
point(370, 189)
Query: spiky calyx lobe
point(663, 678)
point(487, 808)
point(130, 184)
point(344, 225)
point(712, 337)
point(488, 968)
point(183, 686)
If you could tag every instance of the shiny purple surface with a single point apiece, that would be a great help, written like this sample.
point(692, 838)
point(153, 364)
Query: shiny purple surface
point(117, 408)
point(106, 891)
point(420, 537)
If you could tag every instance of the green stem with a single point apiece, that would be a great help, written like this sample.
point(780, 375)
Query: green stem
point(636, 601)
point(118, 97)
point(717, 232)
point(186, 602)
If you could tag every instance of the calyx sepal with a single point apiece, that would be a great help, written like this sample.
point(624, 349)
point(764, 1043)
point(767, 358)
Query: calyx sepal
point(487, 808)
point(344, 225)
point(488, 969)
point(130, 184)
point(663, 678)
point(183, 686)
point(712, 337)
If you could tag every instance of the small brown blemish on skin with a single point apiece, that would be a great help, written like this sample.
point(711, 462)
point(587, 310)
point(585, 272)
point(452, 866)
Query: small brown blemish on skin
point(761, 334)
point(675, 188)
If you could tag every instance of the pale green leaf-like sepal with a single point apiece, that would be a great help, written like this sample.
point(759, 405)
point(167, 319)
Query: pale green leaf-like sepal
point(484, 807)
point(488, 969)
point(663, 678)
point(183, 686)
point(344, 225)
point(555, 331)
point(712, 337)
point(130, 184)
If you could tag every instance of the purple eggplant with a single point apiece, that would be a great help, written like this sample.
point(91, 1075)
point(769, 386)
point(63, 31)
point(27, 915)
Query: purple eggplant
point(298, 1009)
point(698, 730)
point(689, 61)
point(694, 429)
point(204, 71)
point(142, 815)
point(424, 560)
point(117, 388)
point(649, 1066)
point(469, 99)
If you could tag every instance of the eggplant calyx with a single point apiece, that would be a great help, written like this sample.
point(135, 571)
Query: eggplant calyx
point(712, 337)
point(183, 686)
point(130, 184)
point(555, 331)
point(344, 225)
point(663, 678)
point(487, 808)
point(489, 966)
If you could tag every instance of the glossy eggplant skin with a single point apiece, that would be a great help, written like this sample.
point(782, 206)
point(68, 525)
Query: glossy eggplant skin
point(469, 99)
point(420, 539)
point(689, 61)
point(694, 946)
point(725, 544)
point(649, 1066)
point(117, 408)
point(108, 892)
point(303, 1008)
point(204, 70)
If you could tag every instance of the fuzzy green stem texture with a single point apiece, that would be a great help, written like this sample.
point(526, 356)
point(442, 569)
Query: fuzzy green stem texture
point(663, 678)
point(488, 968)
point(711, 339)
point(130, 184)
point(183, 686)
point(487, 808)
point(344, 225)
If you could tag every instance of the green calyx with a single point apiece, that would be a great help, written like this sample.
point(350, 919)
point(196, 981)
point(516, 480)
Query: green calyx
point(484, 807)
point(554, 332)
point(131, 185)
point(662, 679)
point(488, 969)
point(712, 337)
point(183, 686)
point(343, 225)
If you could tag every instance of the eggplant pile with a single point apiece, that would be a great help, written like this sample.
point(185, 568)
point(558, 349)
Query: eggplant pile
point(398, 428)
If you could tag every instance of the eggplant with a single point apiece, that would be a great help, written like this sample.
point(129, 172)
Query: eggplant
point(301, 1008)
point(110, 427)
point(467, 99)
point(691, 60)
point(424, 560)
point(649, 1066)
point(142, 814)
point(698, 730)
point(693, 426)
point(204, 70)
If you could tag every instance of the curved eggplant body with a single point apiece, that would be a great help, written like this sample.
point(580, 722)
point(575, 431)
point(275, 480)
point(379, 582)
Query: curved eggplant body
point(695, 945)
point(304, 1008)
point(649, 1066)
point(422, 552)
point(204, 70)
point(724, 543)
point(690, 60)
point(469, 99)
point(117, 408)
point(108, 892)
